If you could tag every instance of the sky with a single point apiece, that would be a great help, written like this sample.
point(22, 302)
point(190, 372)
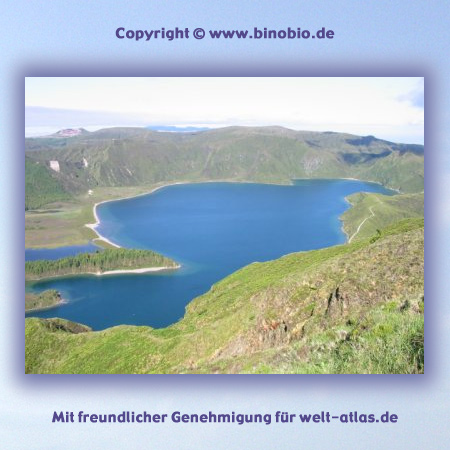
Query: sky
point(391, 108)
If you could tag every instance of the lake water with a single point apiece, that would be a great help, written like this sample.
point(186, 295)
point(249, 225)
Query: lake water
point(212, 229)
point(33, 254)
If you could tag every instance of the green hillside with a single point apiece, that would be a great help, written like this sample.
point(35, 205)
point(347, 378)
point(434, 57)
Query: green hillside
point(41, 187)
point(139, 157)
point(372, 212)
point(353, 308)
point(43, 300)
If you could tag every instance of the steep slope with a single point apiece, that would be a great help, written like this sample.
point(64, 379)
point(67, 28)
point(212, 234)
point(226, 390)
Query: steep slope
point(354, 308)
point(41, 186)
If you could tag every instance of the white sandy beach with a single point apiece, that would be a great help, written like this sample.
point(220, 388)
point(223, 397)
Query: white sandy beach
point(112, 272)
point(93, 226)
point(143, 270)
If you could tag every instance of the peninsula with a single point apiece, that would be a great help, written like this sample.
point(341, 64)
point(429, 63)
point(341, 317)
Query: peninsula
point(105, 262)
point(44, 300)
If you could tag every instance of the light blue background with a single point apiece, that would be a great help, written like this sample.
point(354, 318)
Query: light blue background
point(372, 38)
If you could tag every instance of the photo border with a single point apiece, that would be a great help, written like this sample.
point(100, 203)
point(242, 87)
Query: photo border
point(236, 381)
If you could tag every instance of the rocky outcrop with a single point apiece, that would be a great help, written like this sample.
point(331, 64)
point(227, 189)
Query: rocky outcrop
point(67, 326)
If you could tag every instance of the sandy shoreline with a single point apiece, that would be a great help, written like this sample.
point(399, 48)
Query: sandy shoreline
point(108, 272)
point(93, 226)
point(143, 270)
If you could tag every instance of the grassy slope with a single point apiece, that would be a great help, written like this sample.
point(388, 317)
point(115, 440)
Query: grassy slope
point(43, 300)
point(380, 211)
point(62, 223)
point(354, 308)
point(135, 157)
point(41, 187)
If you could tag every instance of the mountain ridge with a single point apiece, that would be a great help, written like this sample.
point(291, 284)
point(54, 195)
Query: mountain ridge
point(128, 156)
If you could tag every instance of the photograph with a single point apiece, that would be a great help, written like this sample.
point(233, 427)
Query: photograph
point(224, 225)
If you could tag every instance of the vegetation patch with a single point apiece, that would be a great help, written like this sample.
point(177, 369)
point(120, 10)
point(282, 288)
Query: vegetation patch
point(43, 300)
point(116, 259)
point(41, 187)
point(370, 213)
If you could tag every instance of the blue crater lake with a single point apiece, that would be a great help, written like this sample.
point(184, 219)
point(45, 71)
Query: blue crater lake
point(212, 229)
